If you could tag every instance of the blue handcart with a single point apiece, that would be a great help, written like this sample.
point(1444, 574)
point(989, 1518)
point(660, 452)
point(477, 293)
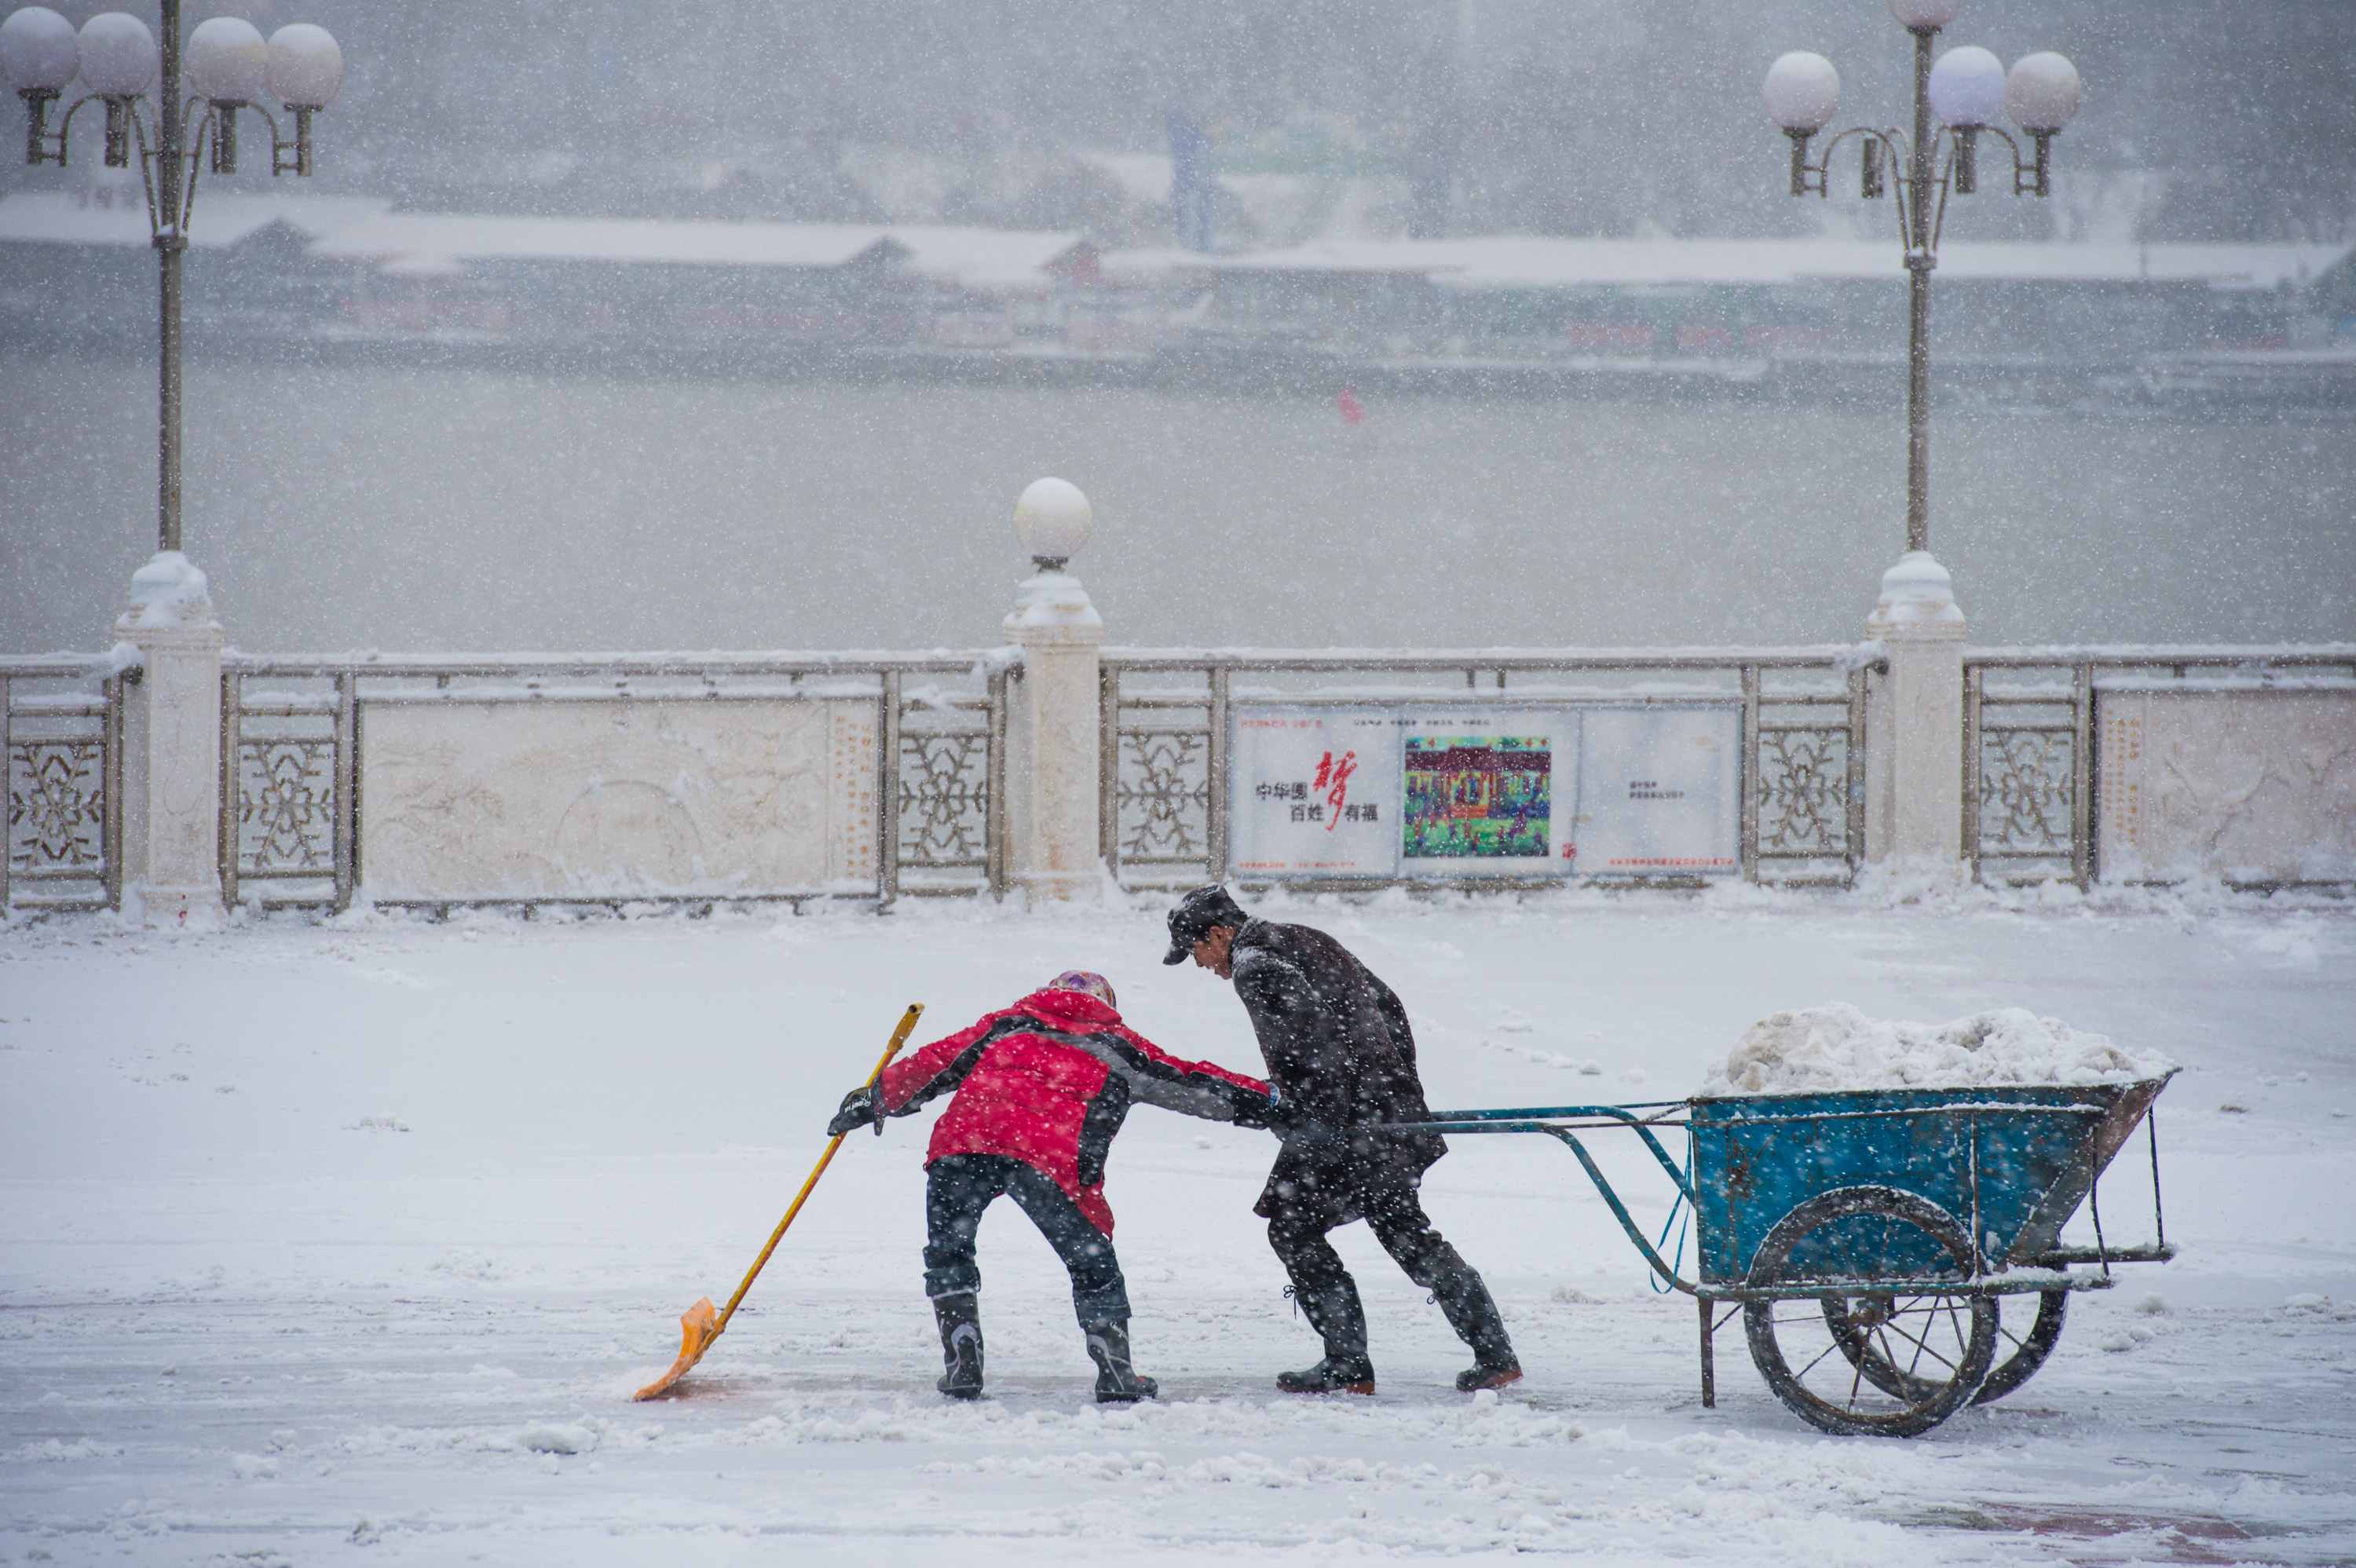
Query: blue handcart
point(1882, 1246)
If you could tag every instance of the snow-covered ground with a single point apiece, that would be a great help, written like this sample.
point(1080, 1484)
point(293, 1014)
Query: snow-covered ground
point(316, 1234)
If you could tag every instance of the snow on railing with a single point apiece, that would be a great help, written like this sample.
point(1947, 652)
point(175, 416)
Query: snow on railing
point(2054, 786)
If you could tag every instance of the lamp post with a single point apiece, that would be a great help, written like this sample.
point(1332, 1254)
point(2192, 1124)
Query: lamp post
point(1963, 90)
point(173, 771)
point(227, 65)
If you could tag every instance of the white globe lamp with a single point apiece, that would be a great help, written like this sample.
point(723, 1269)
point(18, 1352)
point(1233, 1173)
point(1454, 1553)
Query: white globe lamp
point(38, 52)
point(305, 66)
point(1924, 16)
point(118, 55)
point(1967, 87)
point(1802, 92)
point(2040, 92)
point(1053, 521)
point(226, 60)
point(118, 62)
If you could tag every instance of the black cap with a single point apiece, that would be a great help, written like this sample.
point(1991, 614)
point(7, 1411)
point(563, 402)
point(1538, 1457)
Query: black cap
point(1196, 913)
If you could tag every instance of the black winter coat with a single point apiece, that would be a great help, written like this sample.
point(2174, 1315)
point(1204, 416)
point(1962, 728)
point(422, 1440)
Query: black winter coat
point(1340, 1055)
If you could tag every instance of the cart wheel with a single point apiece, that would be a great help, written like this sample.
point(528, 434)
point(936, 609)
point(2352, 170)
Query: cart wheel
point(1934, 1345)
point(2023, 1352)
point(2028, 1352)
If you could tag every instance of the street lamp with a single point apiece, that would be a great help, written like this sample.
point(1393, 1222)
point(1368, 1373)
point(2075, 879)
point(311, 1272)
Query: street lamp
point(227, 65)
point(1965, 89)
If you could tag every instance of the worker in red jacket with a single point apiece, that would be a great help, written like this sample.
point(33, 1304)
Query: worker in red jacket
point(1040, 1089)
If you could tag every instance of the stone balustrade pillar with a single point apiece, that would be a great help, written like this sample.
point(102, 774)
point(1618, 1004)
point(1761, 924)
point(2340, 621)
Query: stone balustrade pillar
point(1051, 731)
point(1052, 850)
point(1914, 723)
point(171, 740)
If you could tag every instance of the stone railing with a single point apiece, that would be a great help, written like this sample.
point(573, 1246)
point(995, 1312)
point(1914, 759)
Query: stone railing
point(1792, 775)
point(2156, 763)
point(606, 779)
point(170, 778)
point(706, 778)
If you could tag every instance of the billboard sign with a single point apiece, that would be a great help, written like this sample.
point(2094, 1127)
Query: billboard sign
point(1388, 792)
point(1488, 792)
point(1664, 792)
point(1313, 791)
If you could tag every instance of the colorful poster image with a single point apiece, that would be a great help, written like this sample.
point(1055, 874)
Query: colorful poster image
point(1313, 791)
point(1478, 797)
point(1488, 792)
point(1661, 792)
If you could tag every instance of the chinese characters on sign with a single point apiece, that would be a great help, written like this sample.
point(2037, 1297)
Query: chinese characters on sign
point(1332, 788)
point(1313, 791)
point(1500, 790)
point(1664, 792)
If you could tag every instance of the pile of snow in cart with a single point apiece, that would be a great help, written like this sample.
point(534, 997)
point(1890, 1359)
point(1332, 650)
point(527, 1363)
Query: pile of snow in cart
point(1836, 1046)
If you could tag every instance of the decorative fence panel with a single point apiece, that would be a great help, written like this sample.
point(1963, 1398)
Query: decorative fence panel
point(2254, 785)
point(62, 740)
point(1164, 745)
point(606, 780)
point(2155, 763)
point(947, 752)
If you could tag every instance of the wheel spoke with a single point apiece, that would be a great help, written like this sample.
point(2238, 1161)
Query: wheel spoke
point(1877, 1344)
point(1921, 1349)
point(1811, 1367)
point(1962, 1335)
point(1920, 1345)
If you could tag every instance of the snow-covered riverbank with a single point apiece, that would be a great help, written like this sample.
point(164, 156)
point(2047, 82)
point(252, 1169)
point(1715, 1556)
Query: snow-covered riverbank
point(363, 1232)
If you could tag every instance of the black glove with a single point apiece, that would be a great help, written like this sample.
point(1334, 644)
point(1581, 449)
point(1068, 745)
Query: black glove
point(1278, 1116)
point(861, 1108)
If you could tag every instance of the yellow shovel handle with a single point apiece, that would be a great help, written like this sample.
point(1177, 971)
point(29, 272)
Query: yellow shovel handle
point(899, 1038)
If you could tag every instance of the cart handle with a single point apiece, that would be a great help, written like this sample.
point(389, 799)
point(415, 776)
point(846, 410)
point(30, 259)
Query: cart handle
point(1533, 1121)
point(1520, 1121)
point(1619, 1209)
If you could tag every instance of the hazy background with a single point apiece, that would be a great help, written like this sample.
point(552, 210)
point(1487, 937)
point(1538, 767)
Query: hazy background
point(2202, 120)
point(411, 509)
point(414, 507)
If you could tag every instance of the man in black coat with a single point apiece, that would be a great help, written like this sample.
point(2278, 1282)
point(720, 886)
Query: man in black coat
point(1340, 1058)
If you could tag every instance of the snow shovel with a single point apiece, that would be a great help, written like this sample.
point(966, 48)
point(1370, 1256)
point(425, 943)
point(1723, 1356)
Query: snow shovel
point(700, 1325)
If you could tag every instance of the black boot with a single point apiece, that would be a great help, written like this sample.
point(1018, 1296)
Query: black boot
point(1334, 1311)
point(1472, 1313)
point(960, 1318)
point(1330, 1376)
point(1118, 1382)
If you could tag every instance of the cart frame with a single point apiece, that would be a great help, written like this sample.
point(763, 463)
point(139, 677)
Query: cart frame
point(2008, 1139)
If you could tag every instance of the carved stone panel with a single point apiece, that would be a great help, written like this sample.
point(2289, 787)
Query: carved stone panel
point(622, 798)
point(2244, 783)
point(57, 805)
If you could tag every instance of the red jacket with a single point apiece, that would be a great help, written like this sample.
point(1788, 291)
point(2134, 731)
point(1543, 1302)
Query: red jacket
point(1048, 1081)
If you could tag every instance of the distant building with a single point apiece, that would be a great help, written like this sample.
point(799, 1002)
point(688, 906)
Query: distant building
point(360, 267)
point(80, 263)
point(1802, 312)
point(1555, 299)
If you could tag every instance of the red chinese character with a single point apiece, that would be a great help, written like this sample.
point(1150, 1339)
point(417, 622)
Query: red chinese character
point(1335, 779)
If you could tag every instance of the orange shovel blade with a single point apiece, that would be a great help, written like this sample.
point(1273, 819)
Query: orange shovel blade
point(698, 1326)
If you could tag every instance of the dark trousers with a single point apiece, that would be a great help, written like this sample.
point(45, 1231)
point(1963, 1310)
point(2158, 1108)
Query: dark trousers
point(1330, 1296)
point(958, 1186)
